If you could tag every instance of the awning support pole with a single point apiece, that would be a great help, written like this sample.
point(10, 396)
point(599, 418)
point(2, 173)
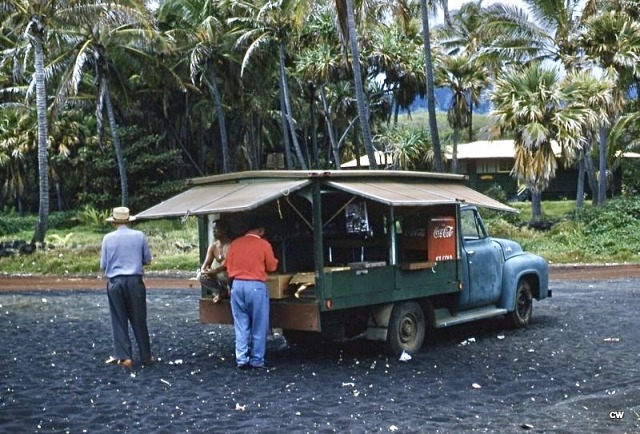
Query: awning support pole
point(393, 252)
point(318, 239)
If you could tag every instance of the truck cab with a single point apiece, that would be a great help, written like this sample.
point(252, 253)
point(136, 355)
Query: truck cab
point(380, 255)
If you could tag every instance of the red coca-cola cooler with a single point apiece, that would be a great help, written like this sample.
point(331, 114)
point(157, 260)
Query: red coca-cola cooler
point(442, 239)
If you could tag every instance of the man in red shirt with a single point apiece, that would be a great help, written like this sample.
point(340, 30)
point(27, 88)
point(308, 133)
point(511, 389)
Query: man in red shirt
point(249, 259)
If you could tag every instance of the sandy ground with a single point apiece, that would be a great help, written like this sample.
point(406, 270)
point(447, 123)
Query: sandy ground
point(573, 370)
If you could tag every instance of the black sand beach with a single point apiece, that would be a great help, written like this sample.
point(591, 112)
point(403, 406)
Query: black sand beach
point(575, 369)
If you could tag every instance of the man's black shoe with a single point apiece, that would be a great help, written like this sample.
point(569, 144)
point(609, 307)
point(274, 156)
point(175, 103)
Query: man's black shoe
point(243, 367)
point(264, 367)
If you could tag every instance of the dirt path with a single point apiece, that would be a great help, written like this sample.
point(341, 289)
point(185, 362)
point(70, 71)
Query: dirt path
point(43, 283)
point(31, 283)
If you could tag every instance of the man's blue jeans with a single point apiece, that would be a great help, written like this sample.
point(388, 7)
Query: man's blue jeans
point(250, 309)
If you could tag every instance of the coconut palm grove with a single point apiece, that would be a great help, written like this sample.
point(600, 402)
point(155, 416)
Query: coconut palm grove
point(118, 102)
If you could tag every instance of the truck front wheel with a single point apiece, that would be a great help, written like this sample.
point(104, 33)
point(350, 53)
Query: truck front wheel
point(521, 314)
point(406, 328)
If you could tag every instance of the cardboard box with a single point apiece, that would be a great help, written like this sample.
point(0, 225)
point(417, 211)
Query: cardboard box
point(278, 285)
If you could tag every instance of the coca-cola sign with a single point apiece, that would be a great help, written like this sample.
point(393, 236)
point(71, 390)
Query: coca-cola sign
point(443, 231)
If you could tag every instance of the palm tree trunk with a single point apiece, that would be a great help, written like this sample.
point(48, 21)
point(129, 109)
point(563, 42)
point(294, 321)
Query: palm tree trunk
point(431, 98)
point(602, 184)
point(287, 102)
point(356, 147)
point(43, 154)
point(59, 193)
point(332, 139)
point(314, 125)
point(224, 140)
point(580, 186)
point(454, 154)
point(591, 176)
point(363, 109)
point(285, 130)
point(122, 169)
point(536, 204)
point(446, 14)
point(470, 119)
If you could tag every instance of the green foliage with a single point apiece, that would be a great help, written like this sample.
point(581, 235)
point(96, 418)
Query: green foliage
point(9, 224)
point(62, 220)
point(631, 179)
point(58, 240)
point(589, 235)
point(153, 173)
point(409, 147)
point(12, 223)
point(89, 216)
point(613, 229)
point(497, 192)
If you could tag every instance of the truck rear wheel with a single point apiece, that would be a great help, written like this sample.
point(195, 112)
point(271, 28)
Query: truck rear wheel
point(521, 314)
point(406, 328)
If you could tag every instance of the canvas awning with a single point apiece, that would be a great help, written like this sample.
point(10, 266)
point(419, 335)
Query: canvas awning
point(222, 198)
point(417, 194)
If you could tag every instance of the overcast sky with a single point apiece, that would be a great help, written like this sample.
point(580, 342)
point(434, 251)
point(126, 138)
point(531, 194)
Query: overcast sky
point(455, 4)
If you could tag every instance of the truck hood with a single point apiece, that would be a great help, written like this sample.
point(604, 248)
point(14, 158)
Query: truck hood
point(509, 247)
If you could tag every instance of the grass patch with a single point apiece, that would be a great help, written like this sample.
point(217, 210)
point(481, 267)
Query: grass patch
point(589, 235)
point(76, 250)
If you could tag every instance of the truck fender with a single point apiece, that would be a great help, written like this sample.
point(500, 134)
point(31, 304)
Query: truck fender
point(523, 267)
point(378, 322)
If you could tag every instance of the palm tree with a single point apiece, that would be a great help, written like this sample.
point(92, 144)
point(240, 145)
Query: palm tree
point(397, 55)
point(317, 64)
point(469, 35)
point(363, 106)
point(31, 20)
point(202, 25)
point(612, 40)
point(107, 38)
point(266, 23)
point(538, 108)
point(346, 12)
point(466, 79)
point(16, 141)
point(431, 98)
point(553, 35)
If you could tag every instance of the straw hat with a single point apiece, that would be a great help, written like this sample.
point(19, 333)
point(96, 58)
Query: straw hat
point(121, 215)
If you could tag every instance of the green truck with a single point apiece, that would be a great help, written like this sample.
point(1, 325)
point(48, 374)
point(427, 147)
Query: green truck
point(380, 255)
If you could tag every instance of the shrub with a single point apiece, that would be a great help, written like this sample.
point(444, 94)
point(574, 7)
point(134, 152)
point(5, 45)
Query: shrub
point(89, 216)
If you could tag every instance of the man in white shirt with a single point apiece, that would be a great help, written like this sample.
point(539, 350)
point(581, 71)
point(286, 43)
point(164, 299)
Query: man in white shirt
point(124, 253)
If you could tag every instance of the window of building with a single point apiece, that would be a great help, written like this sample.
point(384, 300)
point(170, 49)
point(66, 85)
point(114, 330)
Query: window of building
point(494, 165)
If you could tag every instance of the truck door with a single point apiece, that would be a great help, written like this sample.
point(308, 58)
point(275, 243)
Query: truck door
point(482, 262)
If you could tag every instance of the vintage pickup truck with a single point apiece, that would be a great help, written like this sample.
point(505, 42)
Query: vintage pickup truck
point(383, 255)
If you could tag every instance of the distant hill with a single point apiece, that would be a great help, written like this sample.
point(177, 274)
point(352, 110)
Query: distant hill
point(443, 99)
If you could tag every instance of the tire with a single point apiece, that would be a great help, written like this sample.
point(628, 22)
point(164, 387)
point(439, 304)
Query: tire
point(406, 329)
point(523, 309)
